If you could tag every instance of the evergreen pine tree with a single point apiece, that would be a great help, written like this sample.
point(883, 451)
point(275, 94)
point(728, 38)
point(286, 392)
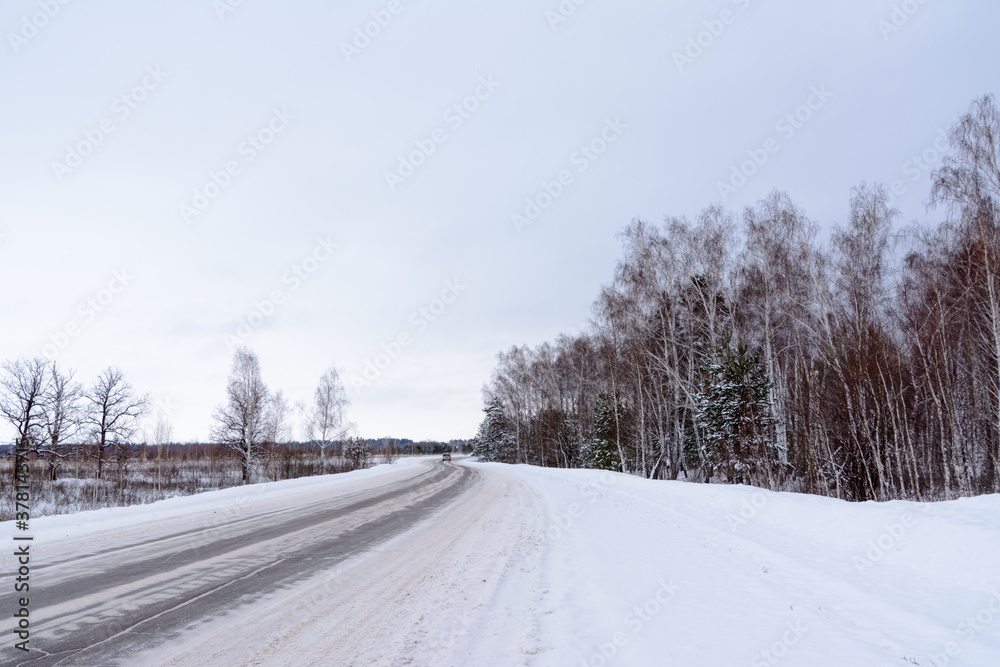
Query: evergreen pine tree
point(601, 450)
point(358, 452)
point(734, 415)
point(494, 441)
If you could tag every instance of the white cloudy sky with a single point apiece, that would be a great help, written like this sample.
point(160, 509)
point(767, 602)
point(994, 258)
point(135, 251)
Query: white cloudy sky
point(347, 119)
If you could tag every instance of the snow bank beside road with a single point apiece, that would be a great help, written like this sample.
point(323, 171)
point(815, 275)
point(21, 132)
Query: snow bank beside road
point(652, 573)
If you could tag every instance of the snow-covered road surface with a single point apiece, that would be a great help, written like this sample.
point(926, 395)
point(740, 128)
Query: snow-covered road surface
point(100, 597)
point(514, 565)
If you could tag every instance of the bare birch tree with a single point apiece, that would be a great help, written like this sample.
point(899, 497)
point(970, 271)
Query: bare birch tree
point(241, 422)
point(325, 417)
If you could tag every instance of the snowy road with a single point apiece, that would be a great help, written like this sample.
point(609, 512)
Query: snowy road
point(102, 599)
point(466, 564)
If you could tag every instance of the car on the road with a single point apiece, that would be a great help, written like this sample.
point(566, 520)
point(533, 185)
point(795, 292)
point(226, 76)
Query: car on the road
point(446, 457)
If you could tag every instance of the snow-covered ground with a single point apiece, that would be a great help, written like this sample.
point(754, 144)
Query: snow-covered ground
point(570, 567)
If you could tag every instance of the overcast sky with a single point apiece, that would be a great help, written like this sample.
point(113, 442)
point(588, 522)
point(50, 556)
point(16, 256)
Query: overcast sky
point(168, 169)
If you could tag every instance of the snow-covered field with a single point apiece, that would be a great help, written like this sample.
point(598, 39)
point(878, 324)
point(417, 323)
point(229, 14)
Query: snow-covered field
point(570, 567)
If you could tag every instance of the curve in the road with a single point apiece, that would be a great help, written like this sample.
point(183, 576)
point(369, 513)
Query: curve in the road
point(113, 603)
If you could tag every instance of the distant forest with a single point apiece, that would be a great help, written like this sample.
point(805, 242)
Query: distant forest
point(736, 348)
